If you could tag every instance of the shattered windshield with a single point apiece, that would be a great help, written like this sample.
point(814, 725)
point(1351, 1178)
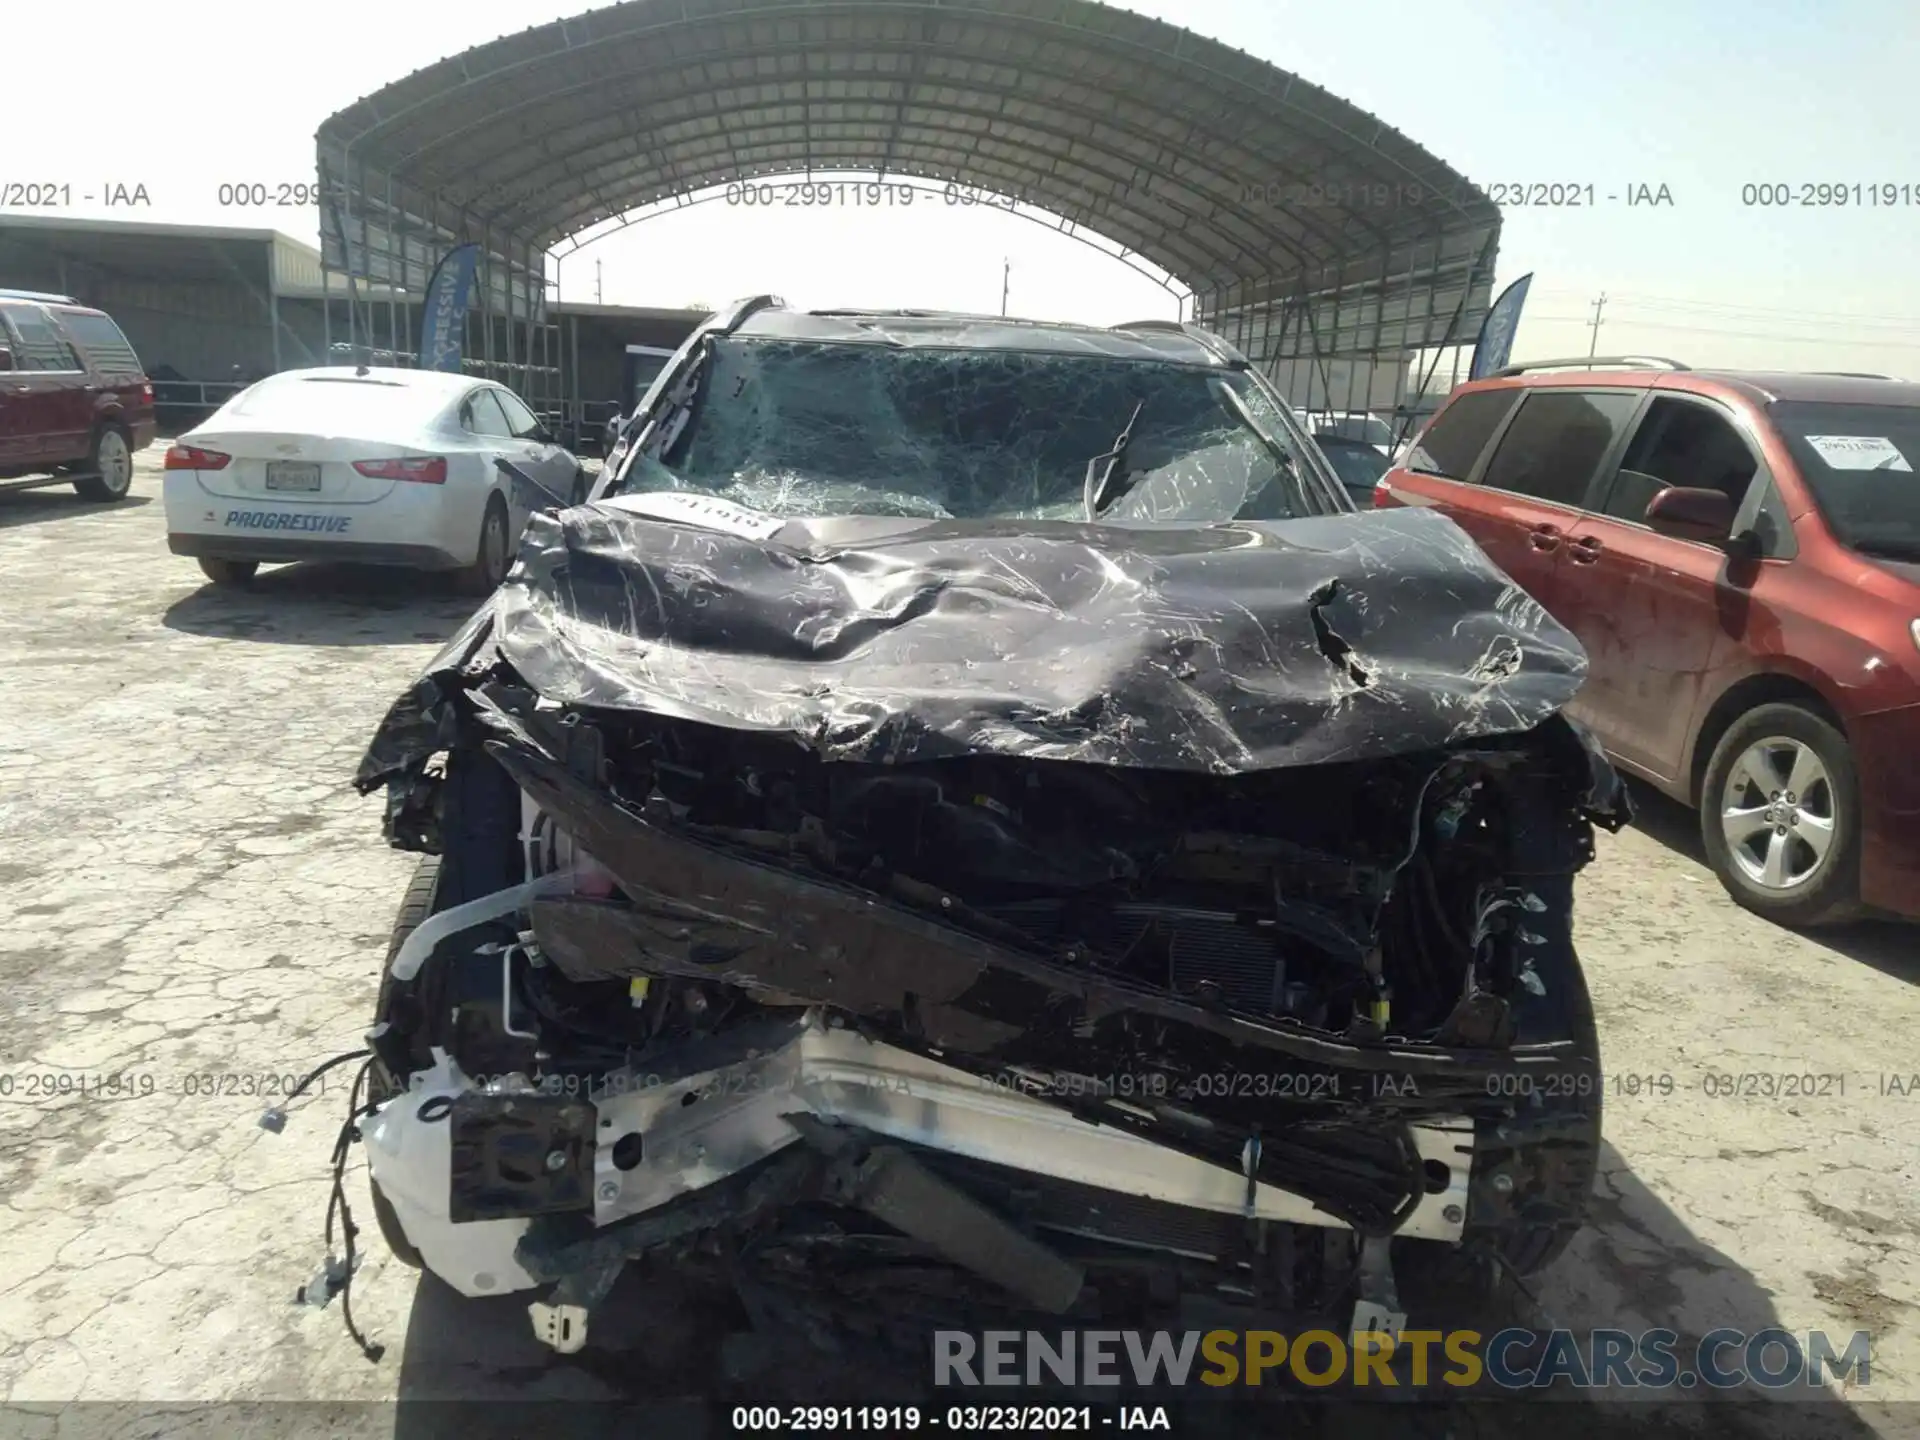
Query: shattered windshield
point(814, 428)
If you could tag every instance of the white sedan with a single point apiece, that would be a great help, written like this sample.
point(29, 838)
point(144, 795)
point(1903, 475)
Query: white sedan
point(378, 466)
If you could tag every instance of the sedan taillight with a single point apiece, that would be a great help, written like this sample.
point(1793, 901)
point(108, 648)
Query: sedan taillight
point(1382, 497)
point(192, 457)
point(421, 470)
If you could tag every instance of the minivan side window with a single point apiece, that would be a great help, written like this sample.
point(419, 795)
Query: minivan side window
point(1770, 523)
point(1557, 441)
point(1680, 442)
point(1450, 445)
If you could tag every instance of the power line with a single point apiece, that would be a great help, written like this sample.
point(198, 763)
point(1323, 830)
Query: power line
point(1723, 306)
point(1598, 306)
point(1691, 303)
point(1807, 317)
point(1842, 341)
point(1666, 302)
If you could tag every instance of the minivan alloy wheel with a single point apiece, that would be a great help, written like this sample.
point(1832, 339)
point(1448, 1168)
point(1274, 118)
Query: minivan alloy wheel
point(1778, 812)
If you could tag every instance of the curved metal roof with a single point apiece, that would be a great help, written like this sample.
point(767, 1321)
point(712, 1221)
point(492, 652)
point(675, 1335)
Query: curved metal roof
point(1213, 165)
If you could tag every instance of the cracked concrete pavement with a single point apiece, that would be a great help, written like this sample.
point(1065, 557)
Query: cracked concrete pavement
point(197, 905)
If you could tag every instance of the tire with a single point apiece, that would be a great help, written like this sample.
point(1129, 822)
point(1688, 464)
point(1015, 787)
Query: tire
point(415, 905)
point(1565, 1142)
point(1556, 1152)
point(1794, 861)
point(1531, 1187)
point(110, 463)
point(228, 572)
point(494, 556)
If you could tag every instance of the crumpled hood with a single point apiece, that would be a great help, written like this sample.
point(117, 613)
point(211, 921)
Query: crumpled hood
point(1214, 648)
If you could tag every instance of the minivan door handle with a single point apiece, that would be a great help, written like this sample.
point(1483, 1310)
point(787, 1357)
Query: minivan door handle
point(1544, 537)
point(1585, 550)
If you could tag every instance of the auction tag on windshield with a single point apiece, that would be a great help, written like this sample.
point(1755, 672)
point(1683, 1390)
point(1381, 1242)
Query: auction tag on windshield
point(1859, 452)
point(709, 512)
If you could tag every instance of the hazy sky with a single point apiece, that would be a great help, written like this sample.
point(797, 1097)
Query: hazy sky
point(1703, 96)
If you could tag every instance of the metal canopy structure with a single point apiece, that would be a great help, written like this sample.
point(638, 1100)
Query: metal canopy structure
point(1318, 239)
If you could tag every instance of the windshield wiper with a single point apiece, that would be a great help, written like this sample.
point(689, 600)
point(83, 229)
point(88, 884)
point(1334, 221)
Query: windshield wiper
point(1102, 468)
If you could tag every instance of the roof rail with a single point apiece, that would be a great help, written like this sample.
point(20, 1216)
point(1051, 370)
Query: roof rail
point(1593, 362)
point(1854, 375)
point(45, 297)
point(731, 317)
point(1214, 344)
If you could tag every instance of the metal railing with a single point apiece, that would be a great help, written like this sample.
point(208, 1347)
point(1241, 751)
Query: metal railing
point(181, 404)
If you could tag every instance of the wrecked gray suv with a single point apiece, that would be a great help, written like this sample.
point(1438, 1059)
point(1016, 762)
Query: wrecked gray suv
point(969, 822)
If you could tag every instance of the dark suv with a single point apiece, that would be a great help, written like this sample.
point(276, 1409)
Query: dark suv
point(969, 814)
point(1740, 556)
point(74, 401)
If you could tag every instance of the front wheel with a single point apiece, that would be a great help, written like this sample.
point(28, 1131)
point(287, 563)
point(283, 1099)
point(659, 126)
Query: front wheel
point(1780, 816)
point(490, 563)
point(110, 464)
point(382, 1085)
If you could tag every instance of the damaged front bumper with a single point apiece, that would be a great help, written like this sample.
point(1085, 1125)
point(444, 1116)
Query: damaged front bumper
point(1048, 1026)
point(904, 1067)
point(496, 1152)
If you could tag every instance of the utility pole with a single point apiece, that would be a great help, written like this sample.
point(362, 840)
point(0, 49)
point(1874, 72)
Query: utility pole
point(1006, 279)
point(1598, 306)
point(596, 282)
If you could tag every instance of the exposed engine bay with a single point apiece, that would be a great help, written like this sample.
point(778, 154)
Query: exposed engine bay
point(972, 1033)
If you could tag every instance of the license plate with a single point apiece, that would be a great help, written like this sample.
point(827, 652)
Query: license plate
point(292, 475)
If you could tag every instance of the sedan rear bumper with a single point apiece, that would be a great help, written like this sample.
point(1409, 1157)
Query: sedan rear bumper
point(432, 527)
point(276, 549)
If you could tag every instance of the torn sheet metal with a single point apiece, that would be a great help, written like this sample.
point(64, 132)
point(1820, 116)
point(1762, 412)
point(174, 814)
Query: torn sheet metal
point(1217, 649)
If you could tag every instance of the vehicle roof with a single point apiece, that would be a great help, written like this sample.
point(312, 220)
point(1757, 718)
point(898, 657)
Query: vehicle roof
point(443, 384)
point(1760, 386)
point(1765, 385)
point(959, 331)
point(41, 297)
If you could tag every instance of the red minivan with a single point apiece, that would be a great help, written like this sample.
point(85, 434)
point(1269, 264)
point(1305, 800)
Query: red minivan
point(1740, 556)
point(74, 401)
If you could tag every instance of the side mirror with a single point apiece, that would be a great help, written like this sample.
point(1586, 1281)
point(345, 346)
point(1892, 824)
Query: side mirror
point(1687, 513)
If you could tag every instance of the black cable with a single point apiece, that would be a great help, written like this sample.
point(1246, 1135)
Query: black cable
point(337, 1204)
point(275, 1117)
point(301, 1088)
